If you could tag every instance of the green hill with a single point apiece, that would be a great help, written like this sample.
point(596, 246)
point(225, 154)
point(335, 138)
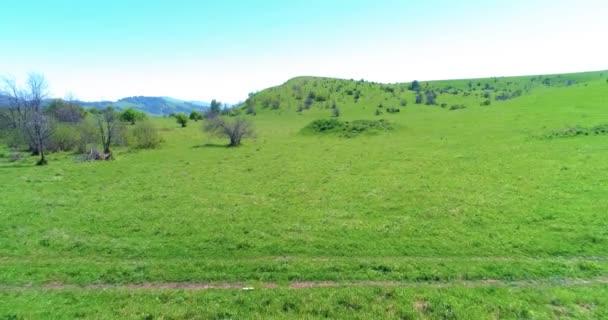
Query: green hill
point(313, 94)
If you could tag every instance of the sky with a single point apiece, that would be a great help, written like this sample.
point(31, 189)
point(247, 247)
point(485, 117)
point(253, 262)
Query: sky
point(209, 49)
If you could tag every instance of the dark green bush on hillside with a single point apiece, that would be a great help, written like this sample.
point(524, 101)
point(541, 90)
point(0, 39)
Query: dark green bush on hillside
point(458, 107)
point(347, 129)
point(580, 131)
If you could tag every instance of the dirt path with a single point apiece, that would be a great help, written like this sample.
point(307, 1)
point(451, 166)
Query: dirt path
point(298, 285)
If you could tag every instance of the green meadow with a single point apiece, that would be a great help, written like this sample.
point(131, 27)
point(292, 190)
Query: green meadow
point(491, 203)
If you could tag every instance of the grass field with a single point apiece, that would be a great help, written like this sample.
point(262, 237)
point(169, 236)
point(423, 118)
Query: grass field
point(470, 213)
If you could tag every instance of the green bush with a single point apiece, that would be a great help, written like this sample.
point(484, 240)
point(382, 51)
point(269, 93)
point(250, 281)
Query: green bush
point(196, 116)
point(145, 135)
point(182, 119)
point(65, 138)
point(457, 107)
point(579, 131)
point(347, 129)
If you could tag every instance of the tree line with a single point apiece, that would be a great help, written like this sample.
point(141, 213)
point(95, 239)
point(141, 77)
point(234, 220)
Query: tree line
point(30, 122)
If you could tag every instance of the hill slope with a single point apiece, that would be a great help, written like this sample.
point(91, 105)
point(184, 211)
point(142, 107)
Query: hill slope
point(313, 94)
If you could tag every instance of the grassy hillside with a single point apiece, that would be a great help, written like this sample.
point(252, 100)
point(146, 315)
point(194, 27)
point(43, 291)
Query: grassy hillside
point(481, 205)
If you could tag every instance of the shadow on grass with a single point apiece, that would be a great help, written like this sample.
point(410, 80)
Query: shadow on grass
point(210, 145)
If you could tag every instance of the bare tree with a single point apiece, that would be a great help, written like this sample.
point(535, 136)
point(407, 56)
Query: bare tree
point(107, 123)
point(39, 129)
point(235, 129)
point(26, 115)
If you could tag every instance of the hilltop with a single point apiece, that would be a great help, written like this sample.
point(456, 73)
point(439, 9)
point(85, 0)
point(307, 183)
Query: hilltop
point(314, 94)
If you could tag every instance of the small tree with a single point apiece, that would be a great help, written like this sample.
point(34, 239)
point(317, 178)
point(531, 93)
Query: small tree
point(335, 112)
point(40, 130)
point(131, 116)
point(196, 116)
point(419, 99)
point(430, 98)
point(181, 119)
point(215, 107)
point(146, 135)
point(235, 129)
point(415, 86)
point(107, 123)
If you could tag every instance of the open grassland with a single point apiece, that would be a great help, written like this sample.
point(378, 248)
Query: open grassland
point(472, 194)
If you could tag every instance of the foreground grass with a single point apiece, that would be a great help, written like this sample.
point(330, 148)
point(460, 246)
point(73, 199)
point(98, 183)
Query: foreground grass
point(472, 194)
point(543, 302)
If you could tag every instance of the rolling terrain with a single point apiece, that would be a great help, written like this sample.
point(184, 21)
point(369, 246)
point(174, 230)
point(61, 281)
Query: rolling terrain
point(485, 200)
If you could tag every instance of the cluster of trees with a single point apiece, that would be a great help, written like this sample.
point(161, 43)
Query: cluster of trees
point(29, 122)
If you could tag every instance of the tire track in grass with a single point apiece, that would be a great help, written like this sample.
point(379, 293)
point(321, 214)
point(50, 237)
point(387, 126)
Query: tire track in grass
point(300, 285)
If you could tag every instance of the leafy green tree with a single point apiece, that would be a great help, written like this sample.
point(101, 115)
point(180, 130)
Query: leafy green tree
point(215, 107)
point(131, 115)
point(196, 116)
point(182, 119)
point(415, 86)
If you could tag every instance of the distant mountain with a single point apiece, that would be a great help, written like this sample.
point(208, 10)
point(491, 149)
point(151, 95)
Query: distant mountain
point(157, 106)
point(152, 105)
point(4, 101)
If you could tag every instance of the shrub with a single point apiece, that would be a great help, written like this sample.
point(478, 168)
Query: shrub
point(419, 99)
point(403, 102)
point(347, 129)
point(88, 136)
point(601, 129)
point(486, 103)
point(131, 115)
point(64, 111)
point(430, 98)
point(458, 107)
point(393, 110)
point(146, 135)
point(378, 112)
point(415, 86)
point(196, 116)
point(250, 110)
point(181, 119)
point(324, 125)
point(335, 112)
point(65, 138)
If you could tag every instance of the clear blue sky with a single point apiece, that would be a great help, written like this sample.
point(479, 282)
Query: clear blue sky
point(199, 50)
